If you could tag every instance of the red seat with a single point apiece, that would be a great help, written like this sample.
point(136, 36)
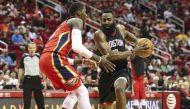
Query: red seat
point(13, 47)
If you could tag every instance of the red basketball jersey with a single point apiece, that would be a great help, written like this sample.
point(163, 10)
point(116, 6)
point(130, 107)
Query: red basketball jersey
point(60, 41)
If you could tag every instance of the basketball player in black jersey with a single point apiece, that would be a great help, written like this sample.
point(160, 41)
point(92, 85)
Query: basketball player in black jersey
point(111, 39)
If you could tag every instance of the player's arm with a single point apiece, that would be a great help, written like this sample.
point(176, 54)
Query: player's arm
point(104, 48)
point(89, 63)
point(76, 35)
point(20, 72)
point(128, 35)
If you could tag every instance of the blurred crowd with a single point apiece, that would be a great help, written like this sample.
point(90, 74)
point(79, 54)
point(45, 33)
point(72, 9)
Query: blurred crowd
point(23, 21)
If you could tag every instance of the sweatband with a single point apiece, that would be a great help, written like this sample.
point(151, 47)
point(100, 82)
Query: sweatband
point(77, 45)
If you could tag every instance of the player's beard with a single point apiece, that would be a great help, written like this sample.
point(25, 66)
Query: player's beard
point(108, 30)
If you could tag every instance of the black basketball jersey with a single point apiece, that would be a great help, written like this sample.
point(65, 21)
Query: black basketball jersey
point(117, 43)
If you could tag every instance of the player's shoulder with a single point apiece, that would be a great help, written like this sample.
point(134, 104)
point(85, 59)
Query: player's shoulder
point(74, 20)
point(120, 26)
point(98, 33)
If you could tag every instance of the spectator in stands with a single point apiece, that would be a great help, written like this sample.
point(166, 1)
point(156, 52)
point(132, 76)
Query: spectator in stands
point(171, 27)
point(185, 95)
point(7, 59)
point(169, 82)
point(4, 27)
point(5, 69)
point(131, 19)
point(171, 67)
point(23, 13)
point(167, 13)
point(88, 80)
point(2, 62)
point(154, 84)
point(164, 66)
point(145, 29)
point(188, 39)
point(14, 79)
point(17, 38)
point(12, 27)
point(12, 10)
point(90, 34)
point(38, 14)
point(8, 83)
point(3, 10)
point(1, 80)
point(32, 34)
point(46, 34)
point(128, 4)
point(38, 40)
point(22, 27)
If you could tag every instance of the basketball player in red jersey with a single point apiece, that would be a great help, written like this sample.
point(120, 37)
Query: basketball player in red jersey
point(57, 67)
point(139, 96)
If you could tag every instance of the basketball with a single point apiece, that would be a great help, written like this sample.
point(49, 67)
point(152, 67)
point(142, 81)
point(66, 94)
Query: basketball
point(145, 53)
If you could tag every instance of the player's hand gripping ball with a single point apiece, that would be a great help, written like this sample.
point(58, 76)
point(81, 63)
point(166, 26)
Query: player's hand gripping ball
point(149, 47)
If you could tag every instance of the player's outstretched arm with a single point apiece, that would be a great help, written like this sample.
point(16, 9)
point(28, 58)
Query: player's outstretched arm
point(76, 35)
point(87, 62)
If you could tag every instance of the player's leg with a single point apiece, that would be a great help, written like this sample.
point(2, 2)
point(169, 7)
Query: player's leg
point(74, 84)
point(69, 101)
point(136, 93)
point(27, 92)
point(83, 97)
point(120, 85)
point(142, 93)
point(37, 89)
point(66, 77)
point(106, 91)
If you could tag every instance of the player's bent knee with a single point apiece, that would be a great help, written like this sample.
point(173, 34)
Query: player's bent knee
point(121, 82)
point(72, 81)
point(120, 89)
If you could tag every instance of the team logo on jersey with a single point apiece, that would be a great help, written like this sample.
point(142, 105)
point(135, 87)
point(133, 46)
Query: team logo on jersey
point(116, 42)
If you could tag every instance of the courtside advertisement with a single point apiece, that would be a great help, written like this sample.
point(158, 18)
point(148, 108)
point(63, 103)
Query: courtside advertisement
point(54, 99)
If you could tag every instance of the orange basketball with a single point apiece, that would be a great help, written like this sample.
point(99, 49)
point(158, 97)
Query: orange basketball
point(148, 51)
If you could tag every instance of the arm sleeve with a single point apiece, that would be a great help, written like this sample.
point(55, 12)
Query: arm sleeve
point(77, 45)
